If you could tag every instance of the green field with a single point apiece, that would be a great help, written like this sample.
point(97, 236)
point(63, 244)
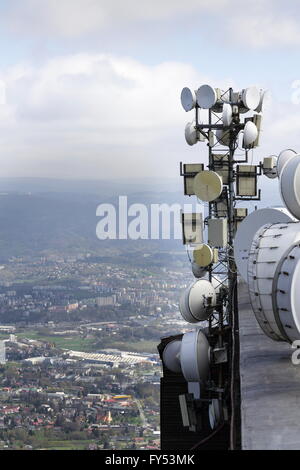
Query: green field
point(64, 342)
point(77, 343)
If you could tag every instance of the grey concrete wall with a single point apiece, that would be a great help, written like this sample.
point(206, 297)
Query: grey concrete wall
point(270, 386)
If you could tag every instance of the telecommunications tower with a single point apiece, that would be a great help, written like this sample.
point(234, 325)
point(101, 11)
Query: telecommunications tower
point(200, 404)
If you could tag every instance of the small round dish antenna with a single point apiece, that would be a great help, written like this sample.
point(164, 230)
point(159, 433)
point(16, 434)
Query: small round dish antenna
point(251, 97)
point(203, 255)
point(208, 185)
point(263, 101)
point(188, 99)
point(227, 114)
point(195, 356)
point(171, 356)
point(250, 133)
point(197, 300)
point(190, 133)
point(206, 96)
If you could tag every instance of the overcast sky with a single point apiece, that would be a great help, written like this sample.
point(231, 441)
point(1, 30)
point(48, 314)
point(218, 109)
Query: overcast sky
point(90, 88)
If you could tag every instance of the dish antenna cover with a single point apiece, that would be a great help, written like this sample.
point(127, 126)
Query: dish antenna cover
point(273, 280)
point(188, 99)
point(251, 97)
point(208, 185)
point(250, 133)
point(195, 356)
point(247, 229)
point(197, 300)
point(171, 356)
point(206, 96)
point(283, 158)
point(290, 185)
point(227, 114)
point(190, 133)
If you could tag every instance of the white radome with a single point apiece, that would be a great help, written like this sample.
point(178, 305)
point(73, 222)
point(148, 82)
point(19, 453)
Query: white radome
point(197, 300)
point(208, 185)
point(188, 99)
point(227, 114)
point(290, 185)
point(190, 133)
point(251, 97)
point(283, 158)
point(206, 96)
point(247, 229)
point(250, 133)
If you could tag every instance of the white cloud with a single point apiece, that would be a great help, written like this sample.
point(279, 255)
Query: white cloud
point(265, 30)
point(102, 116)
point(81, 114)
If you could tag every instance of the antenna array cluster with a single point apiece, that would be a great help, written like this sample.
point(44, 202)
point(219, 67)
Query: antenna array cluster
point(227, 121)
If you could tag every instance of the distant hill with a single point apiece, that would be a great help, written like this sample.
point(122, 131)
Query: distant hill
point(44, 216)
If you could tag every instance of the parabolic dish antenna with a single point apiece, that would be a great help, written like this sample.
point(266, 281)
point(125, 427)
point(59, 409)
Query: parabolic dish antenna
point(227, 114)
point(203, 255)
point(188, 99)
point(208, 185)
point(206, 96)
point(171, 356)
point(264, 101)
point(190, 133)
point(250, 133)
point(283, 158)
point(196, 301)
point(251, 97)
point(290, 185)
point(194, 356)
point(248, 228)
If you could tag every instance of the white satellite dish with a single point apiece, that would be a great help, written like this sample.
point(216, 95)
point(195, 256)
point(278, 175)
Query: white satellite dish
point(206, 96)
point(290, 185)
point(250, 97)
point(250, 133)
point(283, 158)
point(195, 356)
point(274, 279)
point(227, 114)
point(264, 98)
point(248, 228)
point(171, 356)
point(203, 255)
point(190, 133)
point(208, 185)
point(197, 300)
point(188, 99)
